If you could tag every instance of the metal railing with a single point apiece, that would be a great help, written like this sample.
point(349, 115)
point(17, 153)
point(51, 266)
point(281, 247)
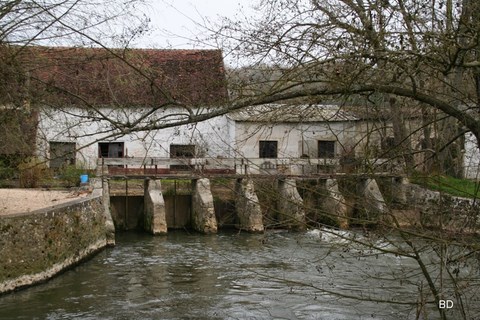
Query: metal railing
point(242, 166)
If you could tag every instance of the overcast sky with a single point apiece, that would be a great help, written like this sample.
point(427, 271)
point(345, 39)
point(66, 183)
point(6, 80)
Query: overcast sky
point(175, 22)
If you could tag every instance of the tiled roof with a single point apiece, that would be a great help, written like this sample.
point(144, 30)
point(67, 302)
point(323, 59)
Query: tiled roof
point(292, 113)
point(133, 77)
point(18, 129)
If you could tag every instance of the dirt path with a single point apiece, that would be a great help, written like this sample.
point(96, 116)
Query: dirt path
point(26, 200)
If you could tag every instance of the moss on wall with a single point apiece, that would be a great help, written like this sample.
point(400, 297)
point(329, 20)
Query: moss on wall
point(34, 243)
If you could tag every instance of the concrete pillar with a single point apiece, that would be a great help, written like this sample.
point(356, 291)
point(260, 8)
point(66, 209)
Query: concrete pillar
point(203, 211)
point(372, 199)
point(154, 215)
point(290, 205)
point(247, 206)
point(109, 226)
point(335, 203)
point(101, 170)
point(400, 190)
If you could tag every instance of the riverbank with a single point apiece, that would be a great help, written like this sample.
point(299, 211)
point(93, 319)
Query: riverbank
point(39, 244)
point(17, 200)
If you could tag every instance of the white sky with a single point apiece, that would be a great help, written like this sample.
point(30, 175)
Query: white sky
point(174, 23)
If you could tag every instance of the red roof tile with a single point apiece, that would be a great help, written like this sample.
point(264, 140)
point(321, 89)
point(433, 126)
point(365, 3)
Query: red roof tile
point(133, 77)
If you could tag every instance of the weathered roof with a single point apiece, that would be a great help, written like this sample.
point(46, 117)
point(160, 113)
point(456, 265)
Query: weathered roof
point(132, 77)
point(292, 113)
point(18, 130)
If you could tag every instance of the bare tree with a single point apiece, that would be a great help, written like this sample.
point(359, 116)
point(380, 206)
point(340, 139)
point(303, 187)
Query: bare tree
point(388, 53)
point(26, 24)
point(393, 55)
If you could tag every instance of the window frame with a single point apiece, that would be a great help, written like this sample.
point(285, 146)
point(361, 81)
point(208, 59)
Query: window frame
point(326, 153)
point(268, 149)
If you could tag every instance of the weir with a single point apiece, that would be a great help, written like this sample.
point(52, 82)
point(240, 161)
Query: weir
point(200, 213)
point(156, 212)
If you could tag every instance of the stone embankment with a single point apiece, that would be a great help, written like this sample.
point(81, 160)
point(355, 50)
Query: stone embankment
point(37, 245)
point(440, 210)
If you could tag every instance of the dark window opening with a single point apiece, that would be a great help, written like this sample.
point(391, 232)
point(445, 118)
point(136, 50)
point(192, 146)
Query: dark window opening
point(185, 151)
point(326, 149)
point(433, 143)
point(268, 149)
point(62, 154)
point(388, 144)
point(182, 150)
point(110, 149)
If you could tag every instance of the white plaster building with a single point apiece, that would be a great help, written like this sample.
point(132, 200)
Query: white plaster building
point(293, 131)
point(85, 96)
point(89, 99)
point(63, 139)
point(471, 157)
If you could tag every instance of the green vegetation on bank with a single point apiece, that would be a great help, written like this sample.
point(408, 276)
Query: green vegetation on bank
point(32, 172)
point(453, 186)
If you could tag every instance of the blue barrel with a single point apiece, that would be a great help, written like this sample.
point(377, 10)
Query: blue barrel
point(84, 178)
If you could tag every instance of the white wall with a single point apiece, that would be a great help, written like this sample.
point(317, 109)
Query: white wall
point(72, 125)
point(290, 137)
point(471, 158)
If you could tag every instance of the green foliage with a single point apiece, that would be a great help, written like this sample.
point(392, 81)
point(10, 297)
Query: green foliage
point(6, 171)
point(70, 175)
point(454, 186)
point(31, 171)
point(176, 187)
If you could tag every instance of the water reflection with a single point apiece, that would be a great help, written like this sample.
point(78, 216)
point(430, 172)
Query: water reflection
point(226, 276)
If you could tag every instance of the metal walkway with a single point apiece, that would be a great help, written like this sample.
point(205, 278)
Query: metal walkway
point(195, 168)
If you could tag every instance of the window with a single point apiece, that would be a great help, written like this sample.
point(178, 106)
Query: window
point(110, 149)
point(62, 154)
point(388, 144)
point(268, 149)
point(326, 149)
point(182, 150)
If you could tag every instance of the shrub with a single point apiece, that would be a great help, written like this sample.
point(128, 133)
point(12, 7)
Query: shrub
point(31, 171)
point(6, 171)
point(70, 175)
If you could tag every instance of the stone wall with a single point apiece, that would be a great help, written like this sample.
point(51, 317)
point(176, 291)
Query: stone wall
point(441, 210)
point(36, 246)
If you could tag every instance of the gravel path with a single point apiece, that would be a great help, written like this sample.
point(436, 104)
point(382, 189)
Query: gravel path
point(26, 200)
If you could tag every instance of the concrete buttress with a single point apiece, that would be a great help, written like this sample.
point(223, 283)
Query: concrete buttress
point(203, 211)
point(400, 186)
point(372, 199)
point(290, 205)
point(155, 217)
point(335, 203)
point(109, 226)
point(247, 206)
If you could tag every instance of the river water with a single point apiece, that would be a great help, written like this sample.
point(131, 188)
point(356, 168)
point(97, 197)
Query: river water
point(231, 275)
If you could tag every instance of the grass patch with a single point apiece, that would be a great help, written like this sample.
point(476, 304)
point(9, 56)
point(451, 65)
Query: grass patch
point(172, 187)
point(454, 186)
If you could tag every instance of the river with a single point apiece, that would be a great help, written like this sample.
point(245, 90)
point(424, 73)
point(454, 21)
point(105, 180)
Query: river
point(231, 275)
